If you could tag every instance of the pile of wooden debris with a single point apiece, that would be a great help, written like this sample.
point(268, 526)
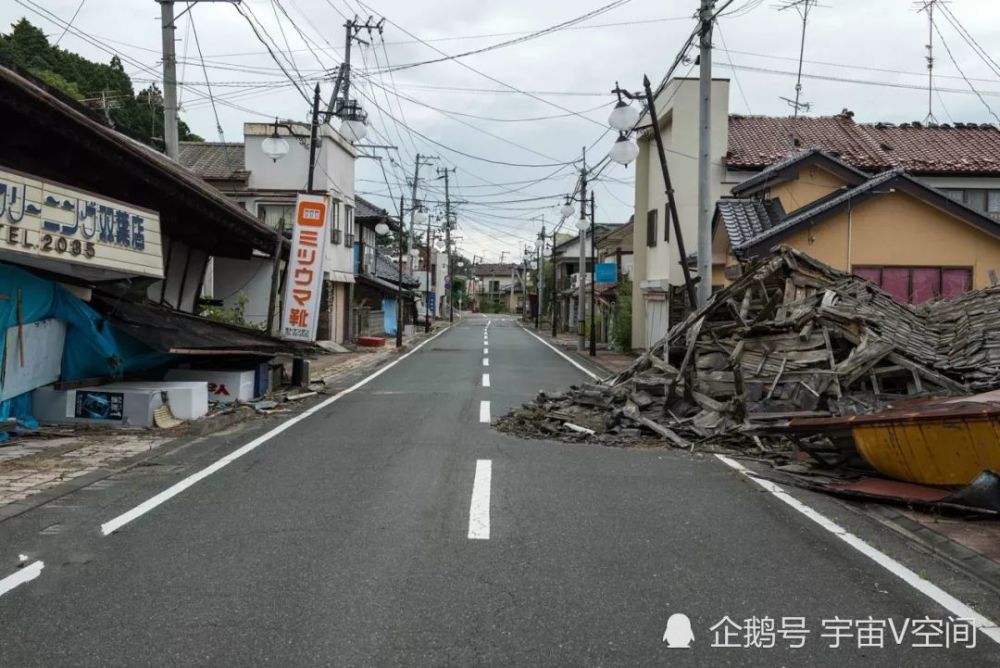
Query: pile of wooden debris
point(791, 338)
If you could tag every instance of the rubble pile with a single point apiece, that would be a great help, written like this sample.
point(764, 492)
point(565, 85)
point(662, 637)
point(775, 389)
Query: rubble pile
point(791, 338)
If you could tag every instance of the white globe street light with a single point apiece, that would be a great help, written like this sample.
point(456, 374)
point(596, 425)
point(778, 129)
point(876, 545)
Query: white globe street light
point(582, 224)
point(439, 245)
point(353, 130)
point(419, 217)
point(567, 209)
point(623, 117)
point(382, 229)
point(624, 150)
point(275, 147)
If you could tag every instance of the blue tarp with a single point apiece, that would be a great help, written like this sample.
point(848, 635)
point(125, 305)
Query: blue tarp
point(94, 348)
point(389, 315)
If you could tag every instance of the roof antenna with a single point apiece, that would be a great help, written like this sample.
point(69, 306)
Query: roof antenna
point(802, 7)
point(928, 6)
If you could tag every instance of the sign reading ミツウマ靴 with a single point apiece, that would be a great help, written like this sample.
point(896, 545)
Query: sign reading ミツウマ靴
point(50, 221)
point(304, 275)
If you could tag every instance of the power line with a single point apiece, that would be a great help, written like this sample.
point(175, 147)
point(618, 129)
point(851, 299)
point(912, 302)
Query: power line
point(71, 21)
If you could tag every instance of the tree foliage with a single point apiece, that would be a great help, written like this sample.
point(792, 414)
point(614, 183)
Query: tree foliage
point(105, 88)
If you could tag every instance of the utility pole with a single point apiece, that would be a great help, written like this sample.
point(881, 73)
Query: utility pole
point(428, 275)
point(340, 100)
point(581, 294)
point(541, 277)
point(168, 29)
point(554, 301)
point(447, 231)
point(593, 279)
point(313, 130)
point(704, 154)
point(399, 284)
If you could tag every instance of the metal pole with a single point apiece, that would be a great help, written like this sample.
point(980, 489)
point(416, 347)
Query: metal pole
point(704, 155)
point(593, 279)
point(413, 193)
point(581, 294)
point(312, 139)
point(272, 306)
point(399, 286)
point(168, 29)
point(671, 202)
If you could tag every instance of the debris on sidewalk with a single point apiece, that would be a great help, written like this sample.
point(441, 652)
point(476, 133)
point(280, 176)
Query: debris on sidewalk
point(789, 342)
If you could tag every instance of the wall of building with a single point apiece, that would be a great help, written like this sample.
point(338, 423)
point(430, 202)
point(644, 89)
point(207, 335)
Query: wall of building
point(898, 229)
point(809, 185)
point(250, 277)
point(677, 108)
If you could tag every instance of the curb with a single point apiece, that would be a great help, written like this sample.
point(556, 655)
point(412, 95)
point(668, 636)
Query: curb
point(969, 562)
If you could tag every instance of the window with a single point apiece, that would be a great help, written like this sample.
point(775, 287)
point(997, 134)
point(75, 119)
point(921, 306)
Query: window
point(651, 217)
point(915, 285)
point(494, 286)
point(348, 225)
point(273, 214)
point(666, 222)
point(993, 203)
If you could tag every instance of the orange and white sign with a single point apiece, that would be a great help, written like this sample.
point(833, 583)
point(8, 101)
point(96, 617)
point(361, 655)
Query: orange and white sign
point(304, 274)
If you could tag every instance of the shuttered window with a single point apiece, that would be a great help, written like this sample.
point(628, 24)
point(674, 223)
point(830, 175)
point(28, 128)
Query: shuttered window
point(915, 285)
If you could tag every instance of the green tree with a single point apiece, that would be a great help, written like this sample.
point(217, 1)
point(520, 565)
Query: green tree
point(102, 87)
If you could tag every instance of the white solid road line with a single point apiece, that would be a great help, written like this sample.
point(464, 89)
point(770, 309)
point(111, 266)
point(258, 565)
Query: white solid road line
point(33, 570)
point(986, 626)
point(175, 489)
point(484, 411)
point(479, 509)
point(486, 361)
point(486, 351)
point(486, 380)
point(564, 355)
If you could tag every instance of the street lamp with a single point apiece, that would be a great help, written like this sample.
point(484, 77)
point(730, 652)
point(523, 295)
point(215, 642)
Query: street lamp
point(567, 209)
point(275, 147)
point(623, 117)
point(624, 150)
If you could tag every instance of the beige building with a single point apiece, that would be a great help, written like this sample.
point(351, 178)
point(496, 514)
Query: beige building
point(962, 160)
point(909, 238)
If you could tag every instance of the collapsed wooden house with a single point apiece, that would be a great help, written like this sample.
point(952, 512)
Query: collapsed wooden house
point(791, 338)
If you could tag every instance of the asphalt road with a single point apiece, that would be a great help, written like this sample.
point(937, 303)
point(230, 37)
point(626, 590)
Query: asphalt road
point(345, 540)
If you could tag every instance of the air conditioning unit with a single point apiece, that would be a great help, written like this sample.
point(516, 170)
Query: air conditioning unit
point(335, 236)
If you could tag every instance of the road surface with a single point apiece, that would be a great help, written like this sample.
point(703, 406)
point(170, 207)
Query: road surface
point(394, 527)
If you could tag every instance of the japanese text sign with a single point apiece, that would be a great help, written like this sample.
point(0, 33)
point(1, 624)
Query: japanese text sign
point(304, 273)
point(51, 221)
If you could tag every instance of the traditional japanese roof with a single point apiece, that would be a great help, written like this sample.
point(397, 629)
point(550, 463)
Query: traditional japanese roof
point(214, 160)
point(757, 142)
point(495, 269)
point(788, 168)
point(753, 225)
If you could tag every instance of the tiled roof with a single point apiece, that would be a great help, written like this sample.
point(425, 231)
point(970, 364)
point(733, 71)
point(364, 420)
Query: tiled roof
point(745, 219)
point(213, 160)
point(495, 269)
point(365, 209)
point(757, 142)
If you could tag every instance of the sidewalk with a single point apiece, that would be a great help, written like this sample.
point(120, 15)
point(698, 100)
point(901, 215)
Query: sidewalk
point(31, 464)
point(608, 360)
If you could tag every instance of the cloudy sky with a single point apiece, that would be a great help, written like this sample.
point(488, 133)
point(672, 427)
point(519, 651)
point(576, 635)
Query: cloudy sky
point(534, 104)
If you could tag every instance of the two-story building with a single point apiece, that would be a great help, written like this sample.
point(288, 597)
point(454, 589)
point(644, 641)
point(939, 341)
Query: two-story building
point(962, 160)
point(267, 188)
point(567, 271)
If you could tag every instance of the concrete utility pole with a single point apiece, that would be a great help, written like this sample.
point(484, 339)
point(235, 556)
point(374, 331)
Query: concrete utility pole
point(704, 154)
point(593, 278)
point(581, 296)
point(168, 28)
point(342, 85)
point(450, 291)
point(554, 301)
point(541, 277)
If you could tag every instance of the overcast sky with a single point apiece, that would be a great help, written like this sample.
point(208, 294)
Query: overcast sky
point(570, 70)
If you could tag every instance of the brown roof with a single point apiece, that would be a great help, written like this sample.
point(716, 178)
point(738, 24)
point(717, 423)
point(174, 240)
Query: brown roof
point(756, 142)
point(495, 269)
point(213, 160)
